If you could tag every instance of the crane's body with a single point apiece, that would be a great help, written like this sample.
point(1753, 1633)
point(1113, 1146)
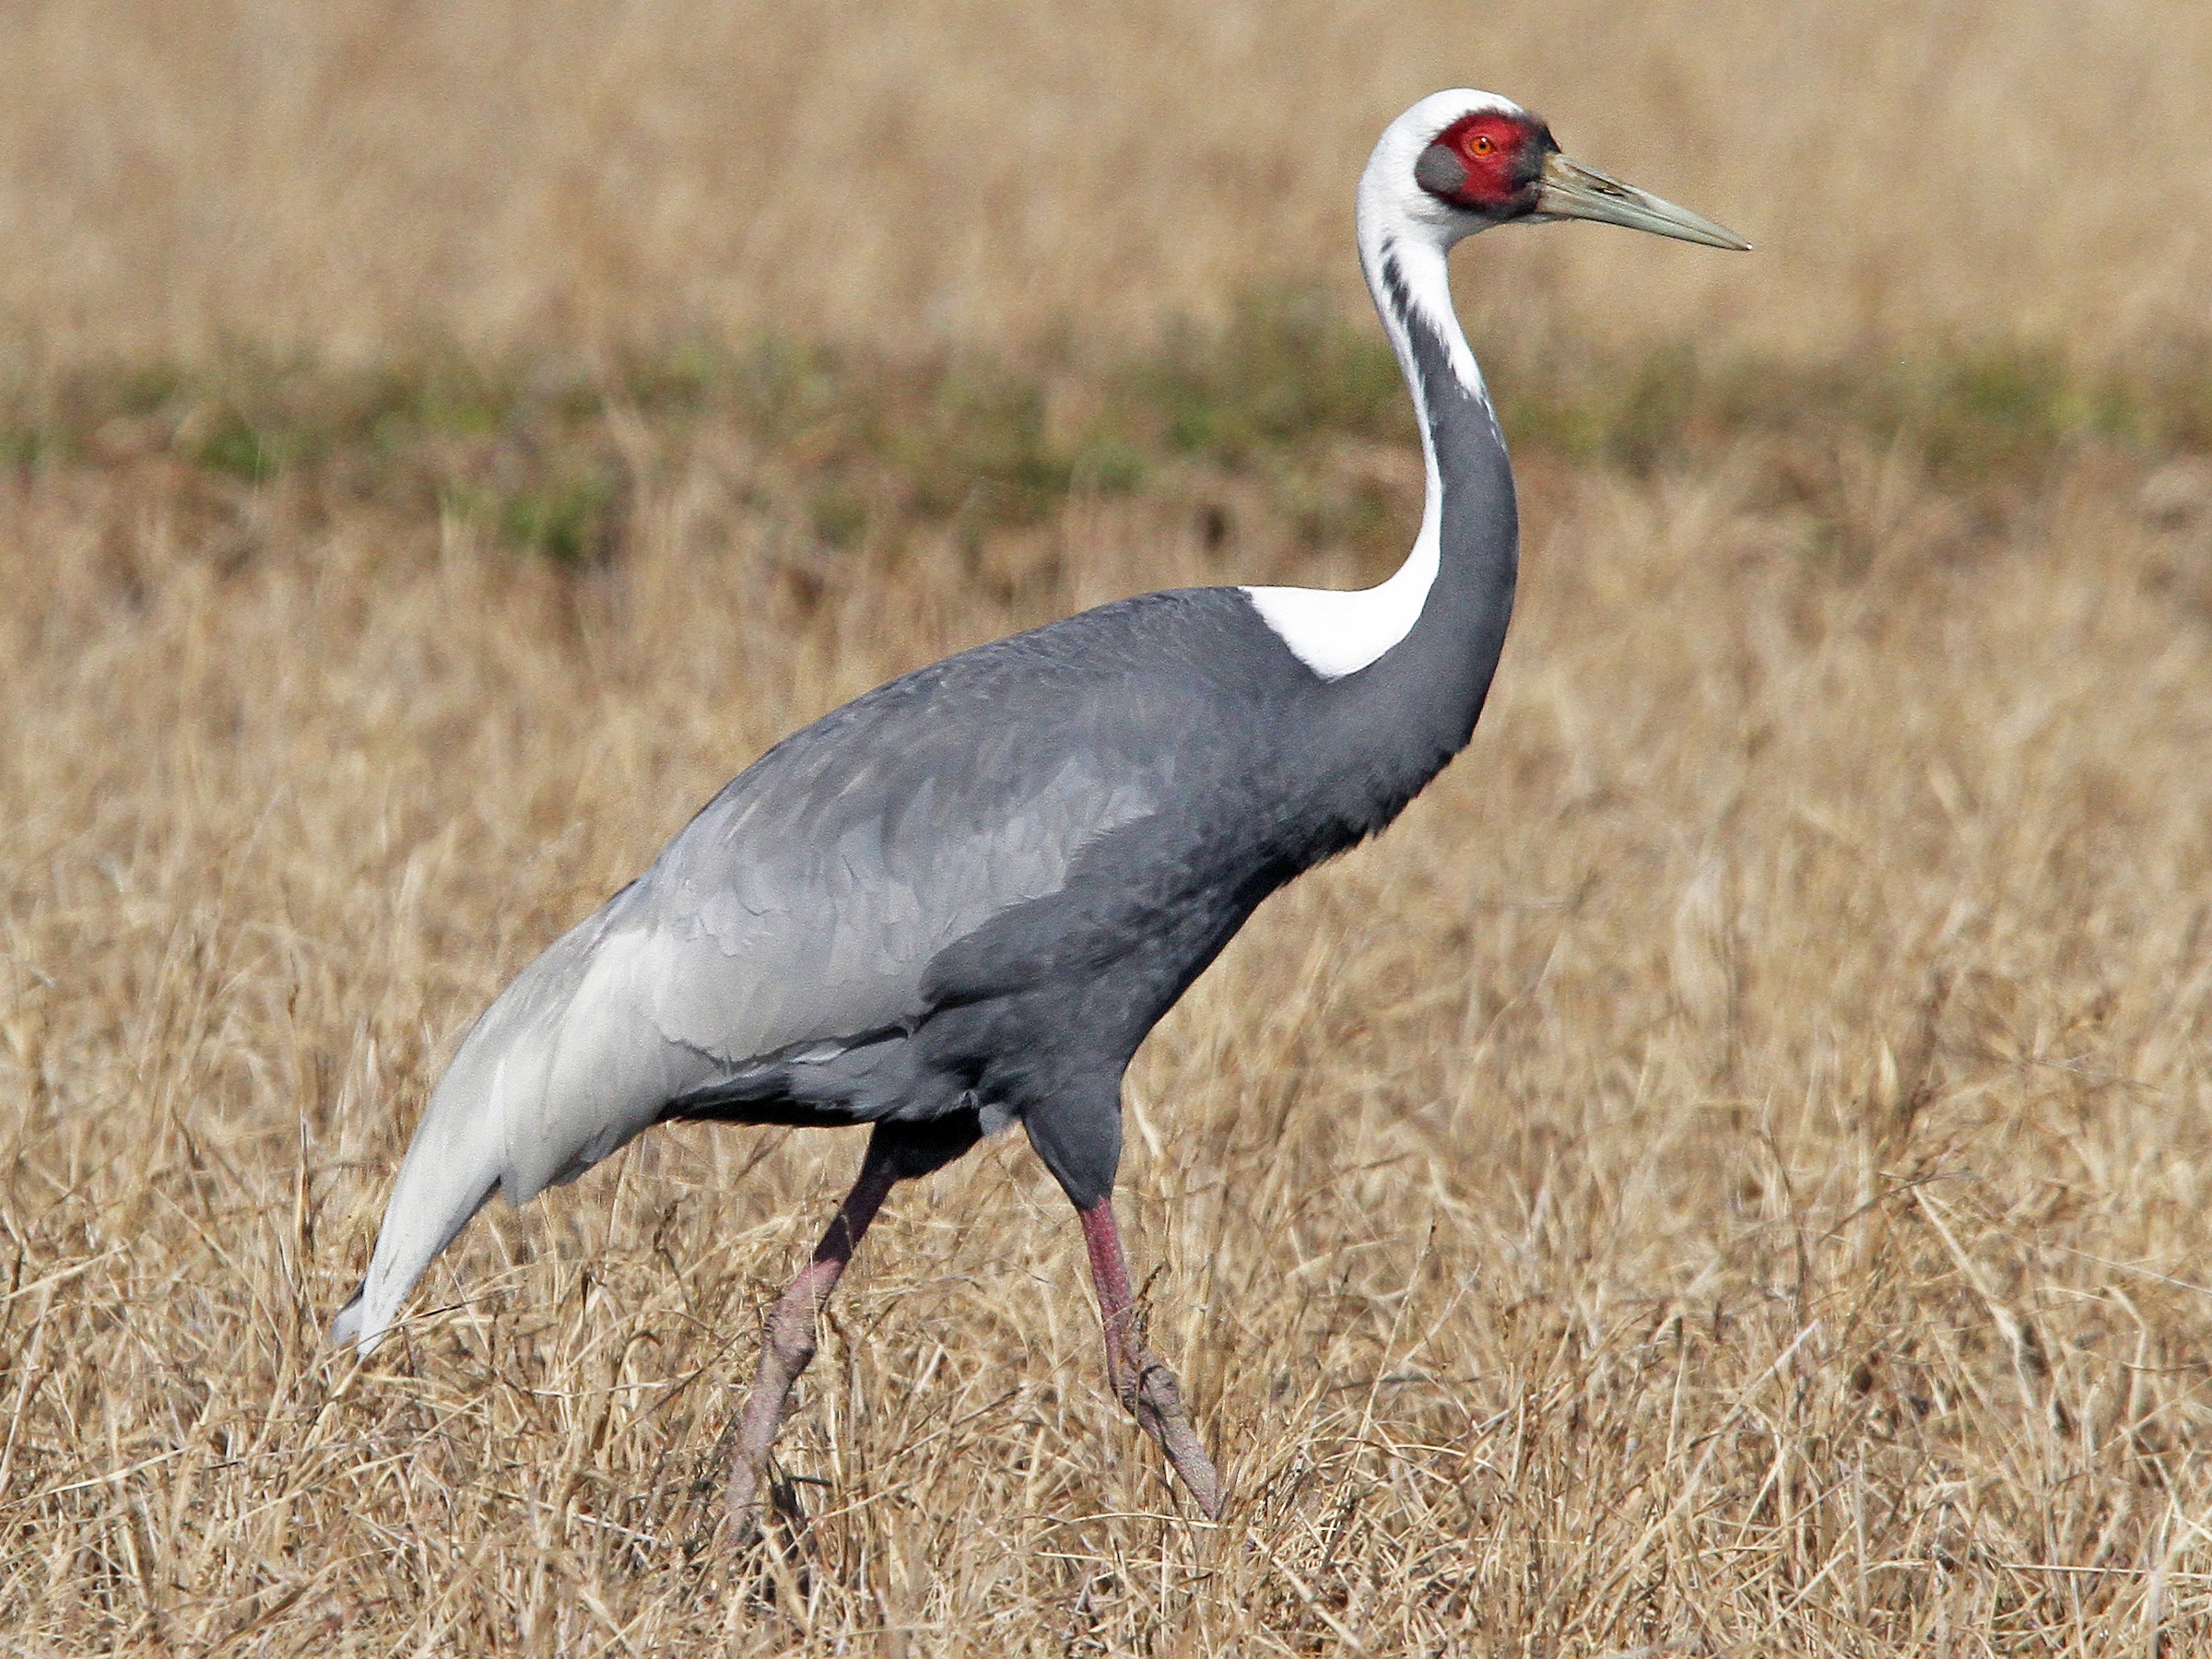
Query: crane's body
point(963, 899)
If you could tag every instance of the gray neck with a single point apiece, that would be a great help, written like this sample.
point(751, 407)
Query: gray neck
point(1416, 705)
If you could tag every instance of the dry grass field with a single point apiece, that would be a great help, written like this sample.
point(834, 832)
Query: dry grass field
point(574, 175)
point(1727, 1174)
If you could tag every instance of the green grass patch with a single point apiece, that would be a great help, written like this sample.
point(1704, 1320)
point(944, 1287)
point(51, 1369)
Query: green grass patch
point(526, 450)
point(1286, 369)
point(569, 517)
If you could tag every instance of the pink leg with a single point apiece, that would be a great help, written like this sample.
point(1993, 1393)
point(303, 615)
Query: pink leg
point(788, 1345)
point(1141, 1381)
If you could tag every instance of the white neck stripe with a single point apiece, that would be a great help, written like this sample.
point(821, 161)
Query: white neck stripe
point(1335, 632)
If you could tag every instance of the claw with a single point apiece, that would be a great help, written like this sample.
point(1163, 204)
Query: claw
point(1156, 1403)
point(1141, 1380)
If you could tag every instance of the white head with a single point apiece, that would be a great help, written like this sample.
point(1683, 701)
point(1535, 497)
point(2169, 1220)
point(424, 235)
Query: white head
point(1461, 161)
point(1456, 163)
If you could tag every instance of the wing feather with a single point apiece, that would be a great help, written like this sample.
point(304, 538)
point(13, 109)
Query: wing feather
point(802, 905)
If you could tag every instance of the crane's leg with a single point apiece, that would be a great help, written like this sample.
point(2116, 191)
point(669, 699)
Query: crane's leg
point(1140, 1379)
point(896, 1152)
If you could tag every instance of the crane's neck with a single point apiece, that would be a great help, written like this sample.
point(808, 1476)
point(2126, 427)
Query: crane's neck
point(1424, 644)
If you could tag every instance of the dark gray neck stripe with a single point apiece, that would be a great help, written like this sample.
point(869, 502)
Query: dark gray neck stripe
point(1435, 376)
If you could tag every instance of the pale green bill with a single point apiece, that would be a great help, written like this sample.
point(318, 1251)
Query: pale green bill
point(1569, 190)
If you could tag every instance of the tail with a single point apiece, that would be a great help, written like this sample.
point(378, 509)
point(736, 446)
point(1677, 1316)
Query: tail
point(562, 1070)
point(455, 1163)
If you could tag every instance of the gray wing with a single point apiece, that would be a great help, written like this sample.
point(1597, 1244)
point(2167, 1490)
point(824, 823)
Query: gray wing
point(802, 906)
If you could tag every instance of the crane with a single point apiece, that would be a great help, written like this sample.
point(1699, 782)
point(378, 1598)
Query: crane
point(961, 900)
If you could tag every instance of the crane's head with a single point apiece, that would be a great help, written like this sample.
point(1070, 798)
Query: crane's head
point(1458, 162)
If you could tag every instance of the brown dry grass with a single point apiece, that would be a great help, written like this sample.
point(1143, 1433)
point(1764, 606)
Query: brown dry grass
point(570, 175)
point(1725, 1174)
point(1727, 1169)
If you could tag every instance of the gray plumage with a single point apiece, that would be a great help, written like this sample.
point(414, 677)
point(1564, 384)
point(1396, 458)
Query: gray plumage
point(963, 899)
point(972, 891)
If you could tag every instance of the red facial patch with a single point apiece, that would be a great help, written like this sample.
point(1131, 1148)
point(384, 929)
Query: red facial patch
point(1502, 155)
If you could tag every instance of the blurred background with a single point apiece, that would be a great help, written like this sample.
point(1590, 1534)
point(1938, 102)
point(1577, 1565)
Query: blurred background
point(354, 179)
point(1726, 1172)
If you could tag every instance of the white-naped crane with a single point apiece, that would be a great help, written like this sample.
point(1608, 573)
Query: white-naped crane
point(961, 900)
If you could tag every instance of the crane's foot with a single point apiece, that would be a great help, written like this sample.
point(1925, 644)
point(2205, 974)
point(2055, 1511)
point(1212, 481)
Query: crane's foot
point(896, 1152)
point(1148, 1391)
point(787, 1347)
point(1141, 1380)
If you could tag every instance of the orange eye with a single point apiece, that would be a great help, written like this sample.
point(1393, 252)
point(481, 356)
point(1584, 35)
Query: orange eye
point(1479, 145)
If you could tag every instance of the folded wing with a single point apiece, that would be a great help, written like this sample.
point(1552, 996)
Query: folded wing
point(797, 911)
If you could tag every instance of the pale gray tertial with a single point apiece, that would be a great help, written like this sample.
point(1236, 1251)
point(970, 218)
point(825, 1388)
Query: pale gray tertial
point(961, 900)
